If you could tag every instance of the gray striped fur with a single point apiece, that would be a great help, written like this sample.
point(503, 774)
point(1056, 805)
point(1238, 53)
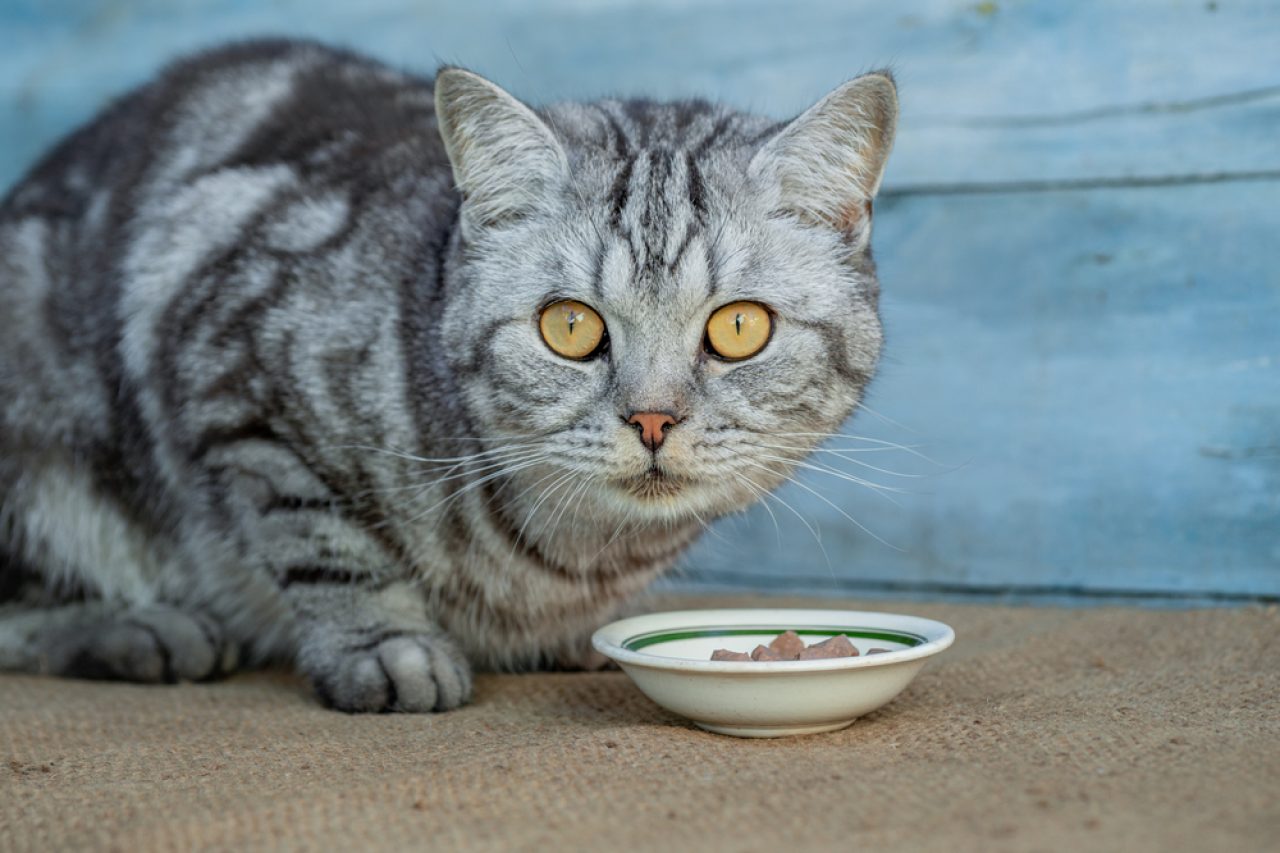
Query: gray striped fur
point(274, 387)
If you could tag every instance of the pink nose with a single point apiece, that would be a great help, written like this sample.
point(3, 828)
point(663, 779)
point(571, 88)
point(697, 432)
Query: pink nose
point(653, 427)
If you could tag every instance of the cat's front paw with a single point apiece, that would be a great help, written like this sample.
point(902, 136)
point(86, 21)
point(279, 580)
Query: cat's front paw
point(156, 644)
point(408, 672)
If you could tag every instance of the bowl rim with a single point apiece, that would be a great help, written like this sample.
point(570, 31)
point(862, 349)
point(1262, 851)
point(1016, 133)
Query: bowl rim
point(610, 640)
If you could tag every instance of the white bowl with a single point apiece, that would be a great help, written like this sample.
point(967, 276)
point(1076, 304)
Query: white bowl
point(668, 656)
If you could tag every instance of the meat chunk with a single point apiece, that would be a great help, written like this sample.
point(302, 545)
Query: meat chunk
point(764, 653)
point(835, 647)
point(788, 645)
point(725, 654)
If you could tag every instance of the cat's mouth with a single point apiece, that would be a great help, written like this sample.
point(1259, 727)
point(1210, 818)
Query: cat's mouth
point(654, 483)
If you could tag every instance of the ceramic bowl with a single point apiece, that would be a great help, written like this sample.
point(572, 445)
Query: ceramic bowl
point(668, 656)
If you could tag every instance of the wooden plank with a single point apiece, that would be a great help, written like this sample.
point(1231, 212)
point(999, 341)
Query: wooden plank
point(963, 67)
point(1215, 142)
point(1102, 372)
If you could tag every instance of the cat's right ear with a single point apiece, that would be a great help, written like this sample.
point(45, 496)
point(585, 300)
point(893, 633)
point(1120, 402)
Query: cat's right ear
point(506, 161)
point(825, 167)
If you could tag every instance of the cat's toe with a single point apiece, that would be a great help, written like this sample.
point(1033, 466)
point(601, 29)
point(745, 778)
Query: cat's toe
point(112, 651)
point(191, 644)
point(414, 673)
point(149, 645)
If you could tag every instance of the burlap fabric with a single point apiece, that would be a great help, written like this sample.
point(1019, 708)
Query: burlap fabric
point(1042, 729)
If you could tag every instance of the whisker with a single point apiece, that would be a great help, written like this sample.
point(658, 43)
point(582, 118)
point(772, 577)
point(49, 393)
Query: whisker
point(837, 454)
point(544, 527)
point(573, 523)
point(555, 472)
point(421, 491)
point(561, 500)
point(706, 525)
point(861, 449)
point(831, 504)
point(400, 454)
point(481, 439)
point(817, 537)
point(809, 466)
point(554, 523)
point(474, 485)
point(885, 418)
point(625, 521)
point(762, 492)
point(563, 478)
point(419, 487)
point(880, 441)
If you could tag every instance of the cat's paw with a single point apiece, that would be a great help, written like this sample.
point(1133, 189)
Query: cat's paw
point(150, 645)
point(408, 672)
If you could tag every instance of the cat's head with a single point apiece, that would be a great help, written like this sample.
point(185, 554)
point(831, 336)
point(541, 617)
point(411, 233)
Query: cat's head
point(674, 302)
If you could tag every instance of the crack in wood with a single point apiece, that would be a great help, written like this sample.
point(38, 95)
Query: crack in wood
point(1069, 184)
point(1082, 116)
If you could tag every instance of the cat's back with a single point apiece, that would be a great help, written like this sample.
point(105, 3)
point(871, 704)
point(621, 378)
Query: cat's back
point(293, 103)
point(205, 162)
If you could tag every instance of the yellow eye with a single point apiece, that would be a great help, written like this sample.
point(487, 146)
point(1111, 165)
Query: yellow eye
point(739, 330)
point(571, 329)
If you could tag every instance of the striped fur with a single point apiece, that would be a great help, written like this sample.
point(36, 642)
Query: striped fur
point(274, 387)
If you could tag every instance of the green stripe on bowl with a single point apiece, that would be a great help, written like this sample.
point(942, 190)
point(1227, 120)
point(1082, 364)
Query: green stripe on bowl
point(640, 641)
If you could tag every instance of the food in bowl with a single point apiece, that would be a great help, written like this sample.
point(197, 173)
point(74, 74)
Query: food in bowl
point(789, 646)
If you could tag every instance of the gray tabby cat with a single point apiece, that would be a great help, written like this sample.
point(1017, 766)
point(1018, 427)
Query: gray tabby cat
point(306, 358)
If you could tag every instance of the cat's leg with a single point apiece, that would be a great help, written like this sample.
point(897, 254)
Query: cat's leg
point(101, 640)
point(359, 627)
point(78, 598)
point(368, 646)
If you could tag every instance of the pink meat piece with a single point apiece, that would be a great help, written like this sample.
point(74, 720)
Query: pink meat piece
point(788, 645)
point(764, 653)
point(835, 647)
point(725, 654)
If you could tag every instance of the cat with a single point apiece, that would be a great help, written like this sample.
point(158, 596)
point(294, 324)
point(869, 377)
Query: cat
point(307, 359)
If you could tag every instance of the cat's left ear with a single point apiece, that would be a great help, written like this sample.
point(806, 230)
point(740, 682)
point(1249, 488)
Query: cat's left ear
point(826, 165)
point(505, 159)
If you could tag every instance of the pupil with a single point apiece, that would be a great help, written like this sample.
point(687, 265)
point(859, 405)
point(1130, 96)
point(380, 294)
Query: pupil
point(737, 321)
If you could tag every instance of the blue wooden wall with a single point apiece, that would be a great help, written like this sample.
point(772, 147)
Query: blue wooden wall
point(1079, 241)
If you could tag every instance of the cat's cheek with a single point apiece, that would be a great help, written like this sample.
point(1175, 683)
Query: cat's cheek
point(714, 369)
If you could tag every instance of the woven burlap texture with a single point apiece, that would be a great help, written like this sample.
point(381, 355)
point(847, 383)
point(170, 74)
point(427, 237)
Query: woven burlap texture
point(1041, 729)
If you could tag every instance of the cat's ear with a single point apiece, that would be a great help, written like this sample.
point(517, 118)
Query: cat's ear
point(505, 159)
point(826, 165)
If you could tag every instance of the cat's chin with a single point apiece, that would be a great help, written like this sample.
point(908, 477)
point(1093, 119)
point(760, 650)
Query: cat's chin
point(660, 495)
point(655, 485)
